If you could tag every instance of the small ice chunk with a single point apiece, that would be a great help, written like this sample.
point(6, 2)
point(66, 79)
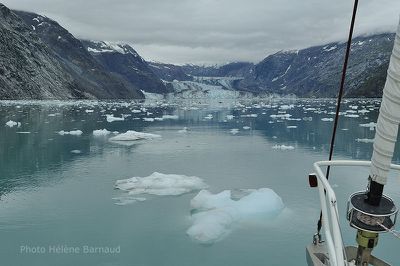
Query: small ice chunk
point(246, 127)
point(76, 151)
point(101, 132)
point(230, 117)
point(371, 125)
point(127, 200)
point(291, 127)
point(249, 115)
point(282, 147)
point(216, 214)
point(112, 118)
point(184, 130)
point(161, 184)
point(148, 119)
point(72, 132)
point(282, 116)
point(326, 119)
point(209, 117)
point(365, 140)
point(352, 115)
point(89, 111)
point(134, 135)
point(234, 131)
point(173, 117)
point(11, 123)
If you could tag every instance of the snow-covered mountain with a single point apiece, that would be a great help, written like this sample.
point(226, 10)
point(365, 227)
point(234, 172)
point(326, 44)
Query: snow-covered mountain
point(87, 73)
point(39, 59)
point(316, 71)
point(310, 72)
point(122, 60)
point(169, 72)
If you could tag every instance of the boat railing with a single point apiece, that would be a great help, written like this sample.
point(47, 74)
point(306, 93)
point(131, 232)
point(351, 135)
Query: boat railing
point(331, 222)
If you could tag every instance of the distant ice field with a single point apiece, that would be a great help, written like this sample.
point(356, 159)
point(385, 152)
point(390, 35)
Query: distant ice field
point(176, 182)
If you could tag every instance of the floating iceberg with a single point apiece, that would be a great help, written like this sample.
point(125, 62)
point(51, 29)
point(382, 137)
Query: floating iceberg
point(282, 147)
point(183, 130)
point(13, 123)
point(365, 140)
point(101, 132)
point(112, 118)
point(131, 135)
point(173, 117)
point(351, 115)
point(234, 131)
point(161, 184)
point(371, 125)
point(249, 115)
point(215, 214)
point(127, 200)
point(72, 132)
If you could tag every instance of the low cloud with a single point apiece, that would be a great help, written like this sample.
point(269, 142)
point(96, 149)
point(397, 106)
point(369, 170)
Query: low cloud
point(215, 31)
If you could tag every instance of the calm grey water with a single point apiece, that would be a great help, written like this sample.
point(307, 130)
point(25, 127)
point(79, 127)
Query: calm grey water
point(53, 197)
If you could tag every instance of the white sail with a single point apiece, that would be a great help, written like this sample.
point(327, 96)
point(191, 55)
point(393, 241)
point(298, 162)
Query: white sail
point(388, 120)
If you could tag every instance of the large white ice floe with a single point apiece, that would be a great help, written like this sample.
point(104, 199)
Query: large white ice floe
point(216, 214)
point(161, 184)
point(132, 135)
point(72, 132)
point(13, 123)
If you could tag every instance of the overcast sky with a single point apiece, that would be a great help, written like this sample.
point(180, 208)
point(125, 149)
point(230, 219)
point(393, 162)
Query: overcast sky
point(215, 31)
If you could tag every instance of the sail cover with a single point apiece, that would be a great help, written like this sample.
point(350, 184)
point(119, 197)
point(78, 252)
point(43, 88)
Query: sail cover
point(388, 120)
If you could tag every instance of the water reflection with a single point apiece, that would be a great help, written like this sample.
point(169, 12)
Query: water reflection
point(36, 146)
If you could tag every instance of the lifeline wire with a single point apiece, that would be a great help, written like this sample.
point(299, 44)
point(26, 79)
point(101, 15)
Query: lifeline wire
point(339, 99)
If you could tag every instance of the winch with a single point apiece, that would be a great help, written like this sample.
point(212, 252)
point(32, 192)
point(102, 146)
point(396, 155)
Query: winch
point(371, 213)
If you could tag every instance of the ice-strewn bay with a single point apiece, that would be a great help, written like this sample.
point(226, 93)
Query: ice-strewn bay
point(199, 182)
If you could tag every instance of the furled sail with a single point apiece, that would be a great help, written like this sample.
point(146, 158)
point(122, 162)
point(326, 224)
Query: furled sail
point(388, 120)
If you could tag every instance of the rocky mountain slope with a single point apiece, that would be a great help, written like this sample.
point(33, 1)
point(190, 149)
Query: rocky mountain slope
point(77, 61)
point(28, 68)
point(39, 59)
point(310, 72)
point(169, 72)
point(121, 59)
point(316, 71)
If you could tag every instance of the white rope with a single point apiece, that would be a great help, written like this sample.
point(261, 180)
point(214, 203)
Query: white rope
point(393, 232)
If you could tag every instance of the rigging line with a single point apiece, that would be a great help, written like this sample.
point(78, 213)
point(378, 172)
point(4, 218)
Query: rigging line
point(393, 232)
point(339, 98)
